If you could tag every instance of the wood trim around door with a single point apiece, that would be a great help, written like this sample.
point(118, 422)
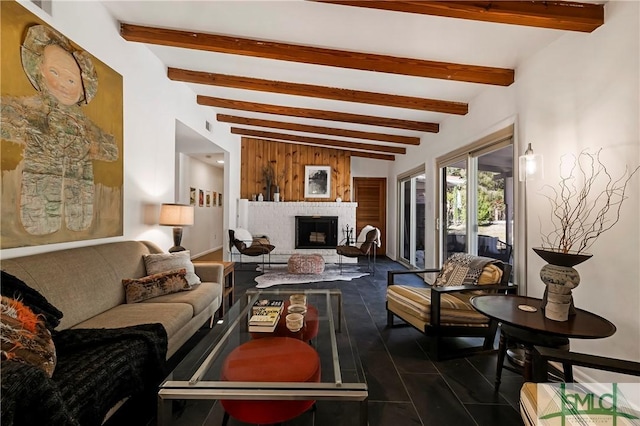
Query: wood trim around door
point(371, 196)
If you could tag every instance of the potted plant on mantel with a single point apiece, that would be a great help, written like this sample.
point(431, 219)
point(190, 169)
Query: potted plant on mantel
point(585, 204)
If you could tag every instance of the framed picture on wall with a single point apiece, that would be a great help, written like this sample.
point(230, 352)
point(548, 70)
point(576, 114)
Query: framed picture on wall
point(208, 198)
point(220, 199)
point(51, 121)
point(317, 181)
point(201, 197)
point(214, 199)
point(192, 196)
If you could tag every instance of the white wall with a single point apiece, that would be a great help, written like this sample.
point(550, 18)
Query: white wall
point(206, 234)
point(581, 91)
point(152, 104)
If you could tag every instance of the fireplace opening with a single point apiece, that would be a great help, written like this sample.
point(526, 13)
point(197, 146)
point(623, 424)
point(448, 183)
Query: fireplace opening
point(316, 232)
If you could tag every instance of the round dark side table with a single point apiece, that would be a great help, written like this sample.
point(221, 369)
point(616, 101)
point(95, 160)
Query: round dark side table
point(506, 309)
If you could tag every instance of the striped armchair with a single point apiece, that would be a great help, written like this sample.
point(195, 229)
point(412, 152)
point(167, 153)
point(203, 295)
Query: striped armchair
point(444, 308)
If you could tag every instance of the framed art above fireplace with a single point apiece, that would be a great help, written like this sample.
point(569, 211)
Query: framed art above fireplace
point(317, 181)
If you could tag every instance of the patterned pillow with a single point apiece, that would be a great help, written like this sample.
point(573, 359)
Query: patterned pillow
point(156, 263)
point(137, 290)
point(15, 288)
point(25, 337)
point(466, 269)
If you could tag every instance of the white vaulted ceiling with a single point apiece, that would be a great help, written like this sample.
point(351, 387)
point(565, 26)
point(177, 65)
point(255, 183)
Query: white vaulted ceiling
point(365, 30)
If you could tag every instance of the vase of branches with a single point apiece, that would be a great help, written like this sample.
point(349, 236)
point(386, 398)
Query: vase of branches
point(268, 174)
point(279, 180)
point(585, 204)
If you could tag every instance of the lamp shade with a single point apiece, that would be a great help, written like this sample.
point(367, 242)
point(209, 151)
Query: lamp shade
point(530, 166)
point(176, 215)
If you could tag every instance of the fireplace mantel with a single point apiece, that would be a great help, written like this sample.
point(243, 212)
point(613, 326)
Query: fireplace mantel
point(278, 221)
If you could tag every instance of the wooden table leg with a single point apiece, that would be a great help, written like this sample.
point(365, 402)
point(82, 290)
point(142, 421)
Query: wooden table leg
point(502, 351)
point(527, 372)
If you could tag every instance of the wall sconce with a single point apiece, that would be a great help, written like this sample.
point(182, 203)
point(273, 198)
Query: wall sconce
point(530, 166)
point(176, 215)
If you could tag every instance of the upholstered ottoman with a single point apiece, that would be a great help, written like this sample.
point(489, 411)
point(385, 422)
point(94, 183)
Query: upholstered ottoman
point(305, 264)
point(272, 359)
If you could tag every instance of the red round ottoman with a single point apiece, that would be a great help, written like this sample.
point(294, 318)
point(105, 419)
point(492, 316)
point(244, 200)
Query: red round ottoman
point(271, 359)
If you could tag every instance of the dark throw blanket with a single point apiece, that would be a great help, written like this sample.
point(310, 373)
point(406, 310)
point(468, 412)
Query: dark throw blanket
point(96, 368)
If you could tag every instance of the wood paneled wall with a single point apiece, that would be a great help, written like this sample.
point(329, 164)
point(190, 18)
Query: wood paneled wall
point(288, 160)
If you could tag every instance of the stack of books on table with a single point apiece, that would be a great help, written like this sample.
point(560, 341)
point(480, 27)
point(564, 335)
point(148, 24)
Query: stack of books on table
point(265, 315)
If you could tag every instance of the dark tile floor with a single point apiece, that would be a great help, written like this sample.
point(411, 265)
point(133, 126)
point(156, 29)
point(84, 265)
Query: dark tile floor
point(405, 386)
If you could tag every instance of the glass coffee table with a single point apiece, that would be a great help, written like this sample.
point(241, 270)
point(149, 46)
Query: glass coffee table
point(198, 376)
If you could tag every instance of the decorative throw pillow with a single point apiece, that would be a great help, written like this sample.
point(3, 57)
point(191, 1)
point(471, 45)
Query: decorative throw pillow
point(466, 269)
point(15, 288)
point(25, 338)
point(156, 263)
point(137, 290)
point(491, 274)
point(244, 236)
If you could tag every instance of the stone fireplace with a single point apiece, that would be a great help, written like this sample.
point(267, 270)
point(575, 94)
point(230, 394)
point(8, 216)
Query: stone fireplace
point(278, 222)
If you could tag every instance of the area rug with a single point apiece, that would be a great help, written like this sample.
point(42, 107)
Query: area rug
point(278, 274)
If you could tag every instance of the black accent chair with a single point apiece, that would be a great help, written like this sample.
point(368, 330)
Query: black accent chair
point(259, 247)
point(368, 249)
point(442, 312)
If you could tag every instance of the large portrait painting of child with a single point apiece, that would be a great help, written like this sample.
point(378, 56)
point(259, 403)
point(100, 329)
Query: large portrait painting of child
point(61, 137)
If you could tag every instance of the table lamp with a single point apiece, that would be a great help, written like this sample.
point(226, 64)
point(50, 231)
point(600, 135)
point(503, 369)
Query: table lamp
point(176, 215)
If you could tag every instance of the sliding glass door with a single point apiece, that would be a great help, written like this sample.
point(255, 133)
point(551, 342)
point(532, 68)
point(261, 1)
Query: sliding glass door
point(412, 219)
point(477, 202)
point(454, 231)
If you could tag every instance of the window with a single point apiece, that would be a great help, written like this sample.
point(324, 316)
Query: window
point(477, 199)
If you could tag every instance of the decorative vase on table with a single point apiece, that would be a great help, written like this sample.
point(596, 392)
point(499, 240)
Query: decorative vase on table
point(560, 279)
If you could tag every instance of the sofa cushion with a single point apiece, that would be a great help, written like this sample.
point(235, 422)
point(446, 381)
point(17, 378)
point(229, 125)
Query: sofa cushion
point(137, 290)
point(163, 262)
point(200, 297)
point(173, 316)
point(25, 338)
point(454, 310)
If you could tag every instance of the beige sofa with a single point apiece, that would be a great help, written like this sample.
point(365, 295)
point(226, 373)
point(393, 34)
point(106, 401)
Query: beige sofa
point(86, 285)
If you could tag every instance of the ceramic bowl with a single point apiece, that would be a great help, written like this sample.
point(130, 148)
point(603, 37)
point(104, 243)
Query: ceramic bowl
point(297, 309)
point(298, 299)
point(294, 322)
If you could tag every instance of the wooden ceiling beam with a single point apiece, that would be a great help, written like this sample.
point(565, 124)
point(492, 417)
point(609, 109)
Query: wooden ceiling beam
point(356, 134)
point(309, 90)
point(559, 15)
point(316, 55)
point(317, 141)
point(371, 155)
point(319, 114)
